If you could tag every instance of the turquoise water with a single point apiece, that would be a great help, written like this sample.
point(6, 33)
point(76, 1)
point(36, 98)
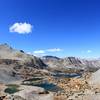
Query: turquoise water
point(66, 75)
point(52, 87)
point(49, 87)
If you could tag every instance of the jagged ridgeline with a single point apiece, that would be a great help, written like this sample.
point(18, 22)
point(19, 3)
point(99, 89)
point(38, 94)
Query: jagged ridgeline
point(71, 63)
point(10, 55)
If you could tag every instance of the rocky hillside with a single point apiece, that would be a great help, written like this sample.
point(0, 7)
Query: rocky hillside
point(16, 64)
point(7, 54)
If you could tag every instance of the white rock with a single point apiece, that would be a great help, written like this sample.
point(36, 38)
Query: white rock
point(95, 79)
point(32, 93)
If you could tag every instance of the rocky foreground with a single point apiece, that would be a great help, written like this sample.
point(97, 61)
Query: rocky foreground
point(78, 88)
point(70, 89)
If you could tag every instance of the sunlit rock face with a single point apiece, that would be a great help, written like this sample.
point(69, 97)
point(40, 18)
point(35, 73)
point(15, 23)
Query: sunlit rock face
point(95, 79)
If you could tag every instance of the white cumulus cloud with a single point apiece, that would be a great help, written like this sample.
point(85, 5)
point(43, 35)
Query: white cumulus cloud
point(39, 52)
point(89, 51)
point(43, 51)
point(21, 28)
point(54, 50)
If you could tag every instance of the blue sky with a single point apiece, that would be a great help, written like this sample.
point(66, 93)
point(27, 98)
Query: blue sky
point(53, 27)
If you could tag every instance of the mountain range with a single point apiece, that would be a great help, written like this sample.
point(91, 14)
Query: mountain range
point(71, 62)
point(16, 64)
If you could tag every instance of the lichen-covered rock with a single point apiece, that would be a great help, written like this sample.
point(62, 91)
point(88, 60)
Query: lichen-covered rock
point(33, 93)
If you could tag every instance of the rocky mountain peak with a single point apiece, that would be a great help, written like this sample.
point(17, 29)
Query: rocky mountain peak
point(50, 57)
point(5, 46)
